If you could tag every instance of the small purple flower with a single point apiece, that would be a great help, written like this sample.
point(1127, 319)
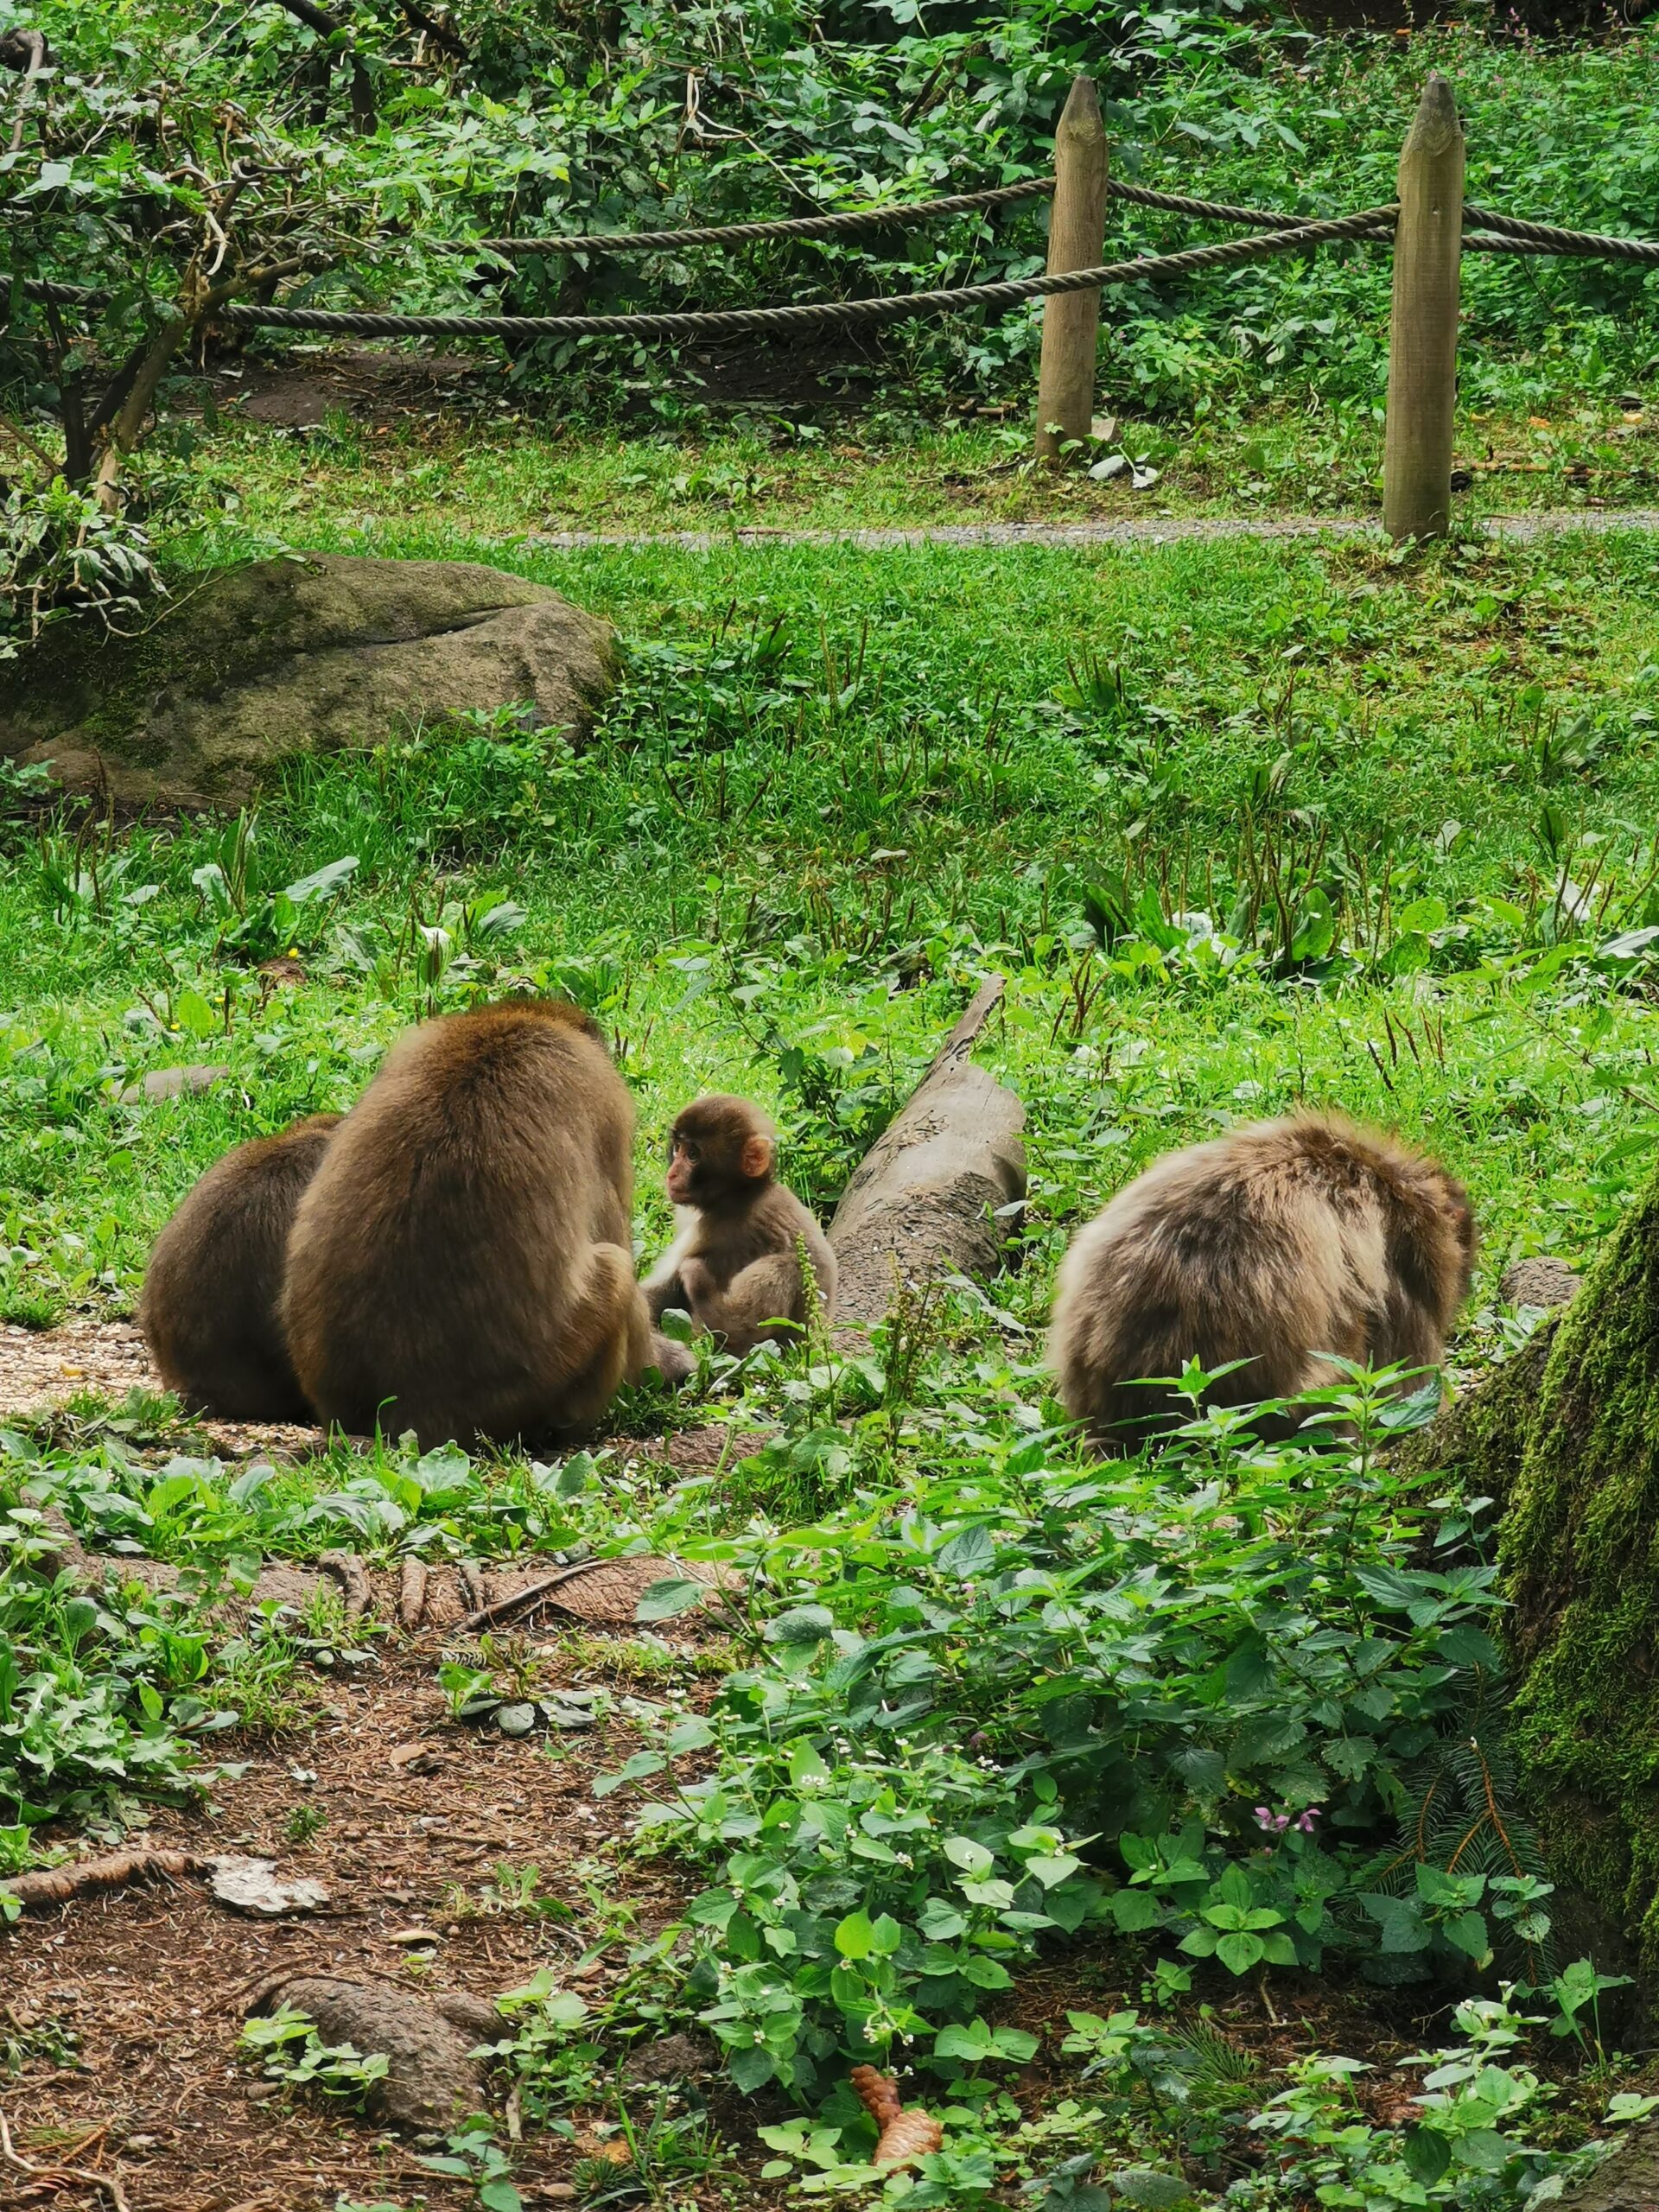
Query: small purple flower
point(1274, 1823)
point(1309, 1820)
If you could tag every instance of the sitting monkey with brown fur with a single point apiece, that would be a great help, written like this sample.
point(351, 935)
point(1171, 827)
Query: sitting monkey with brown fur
point(735, 1266)
point(209, 1310)
point(1273, 1245)
point(463, 1263)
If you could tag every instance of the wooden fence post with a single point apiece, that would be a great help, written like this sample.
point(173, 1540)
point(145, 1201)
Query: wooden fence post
point(1423, 331)
point(1077, 239)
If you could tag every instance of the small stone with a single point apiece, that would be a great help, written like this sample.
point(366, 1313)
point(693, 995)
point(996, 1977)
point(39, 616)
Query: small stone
point(478, 1708)
point(679, 2056)
point(516, 1720)
point(415, 1758)
point(250, 1885)
point(560, 1712)
point(170, 1083)
point(1539, 1282)
point(411, 1935)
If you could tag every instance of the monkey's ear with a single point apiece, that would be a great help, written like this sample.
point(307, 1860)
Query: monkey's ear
point(755, 1159)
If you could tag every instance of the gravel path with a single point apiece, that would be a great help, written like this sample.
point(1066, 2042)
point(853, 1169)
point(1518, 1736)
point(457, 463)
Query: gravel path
point(1166, 529)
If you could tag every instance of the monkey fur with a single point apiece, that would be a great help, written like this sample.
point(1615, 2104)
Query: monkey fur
point(209, 1309)
point(1274, 1244)
point(735, 1265)
point(462, 1265)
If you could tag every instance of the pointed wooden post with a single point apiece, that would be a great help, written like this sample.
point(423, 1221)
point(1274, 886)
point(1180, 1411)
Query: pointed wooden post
point(1423, 333)
point(1077, 239)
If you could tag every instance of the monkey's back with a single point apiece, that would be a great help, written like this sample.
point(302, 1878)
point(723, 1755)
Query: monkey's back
point(210, 1306)
point(1272, 1245)
point(438, 1259)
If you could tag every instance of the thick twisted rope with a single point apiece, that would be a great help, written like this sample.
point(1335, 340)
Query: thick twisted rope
point(1371, 222)
point(795, 226)
point(1550, 238)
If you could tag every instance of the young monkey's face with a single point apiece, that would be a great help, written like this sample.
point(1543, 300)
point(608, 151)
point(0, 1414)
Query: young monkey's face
point(717, 1154)
point(684, 1158)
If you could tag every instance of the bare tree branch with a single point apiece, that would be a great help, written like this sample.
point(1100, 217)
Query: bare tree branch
point(39, 57)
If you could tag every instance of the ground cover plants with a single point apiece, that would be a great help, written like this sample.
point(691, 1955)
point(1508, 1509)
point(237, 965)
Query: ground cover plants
point(1154, 1822)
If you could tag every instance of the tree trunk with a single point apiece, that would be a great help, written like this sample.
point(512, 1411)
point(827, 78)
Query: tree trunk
point(1565, 1437)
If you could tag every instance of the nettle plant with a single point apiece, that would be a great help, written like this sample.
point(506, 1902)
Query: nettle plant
point(1198, 1699)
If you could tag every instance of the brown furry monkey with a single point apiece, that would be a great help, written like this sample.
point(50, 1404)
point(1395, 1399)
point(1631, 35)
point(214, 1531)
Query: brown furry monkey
point(1274, 1244)
point(463, 1263)
point(735, 1266)
point(209, 1308)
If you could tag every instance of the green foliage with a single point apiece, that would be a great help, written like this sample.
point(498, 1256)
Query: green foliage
point(99, 1692)
point(1000, 1715)
point(60, 554)
point(1467, 2150)
point(295, 2055)
point(347, 170)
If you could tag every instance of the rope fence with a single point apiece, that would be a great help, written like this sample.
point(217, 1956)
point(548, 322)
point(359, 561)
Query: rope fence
point(722, 322)
point(896, 216)
point(1429, 227)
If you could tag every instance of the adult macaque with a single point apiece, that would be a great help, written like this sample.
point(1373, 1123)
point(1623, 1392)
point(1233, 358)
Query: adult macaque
point(735, 1266)
point(209, 1309)
point(462, 1265)
point(1274, 1245)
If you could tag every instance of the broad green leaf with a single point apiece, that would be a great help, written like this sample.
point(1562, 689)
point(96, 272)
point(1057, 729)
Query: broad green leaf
point(855, 1937)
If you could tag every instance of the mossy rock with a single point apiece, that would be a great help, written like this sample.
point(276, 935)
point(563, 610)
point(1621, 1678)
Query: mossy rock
point(1565, 1437)
point(245, 667)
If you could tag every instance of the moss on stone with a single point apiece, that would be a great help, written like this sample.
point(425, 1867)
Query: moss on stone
point(243, 667)
point(1572, 1447)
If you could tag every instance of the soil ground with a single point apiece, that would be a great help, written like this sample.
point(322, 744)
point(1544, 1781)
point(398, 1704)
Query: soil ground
point(130, 2000)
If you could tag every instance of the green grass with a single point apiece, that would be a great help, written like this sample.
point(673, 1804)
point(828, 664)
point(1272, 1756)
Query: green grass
point(837, 786)
point(503, 473)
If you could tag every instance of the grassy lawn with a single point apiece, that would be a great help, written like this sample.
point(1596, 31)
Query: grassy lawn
point(508, 466)
point(835, 787)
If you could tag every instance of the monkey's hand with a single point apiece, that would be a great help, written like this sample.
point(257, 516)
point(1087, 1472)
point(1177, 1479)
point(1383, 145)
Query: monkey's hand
point(659, 1296)
point(672, 1360)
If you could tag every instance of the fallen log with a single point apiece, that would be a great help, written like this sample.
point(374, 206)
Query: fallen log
point(937, 1193)
point(60, 1885)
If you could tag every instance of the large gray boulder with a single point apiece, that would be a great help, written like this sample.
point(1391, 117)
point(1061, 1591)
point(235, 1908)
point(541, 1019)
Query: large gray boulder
point(241, 669)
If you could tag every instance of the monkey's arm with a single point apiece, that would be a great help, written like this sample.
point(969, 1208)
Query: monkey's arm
point(665, 1285)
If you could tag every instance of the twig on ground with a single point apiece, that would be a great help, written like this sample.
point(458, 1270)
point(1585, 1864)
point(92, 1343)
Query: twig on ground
point(109, 2184)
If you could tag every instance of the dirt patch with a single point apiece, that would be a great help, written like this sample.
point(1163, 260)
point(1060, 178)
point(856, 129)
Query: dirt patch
point(46, 1376)
point(42, 1371)
point(383, 389)
point(301, 392)
point(147, 1984)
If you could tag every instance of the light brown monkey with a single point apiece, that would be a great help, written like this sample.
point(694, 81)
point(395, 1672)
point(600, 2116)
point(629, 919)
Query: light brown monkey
point(735, 1266)
point(1274, 1244)
point(462, 1264)
point(209, 1307)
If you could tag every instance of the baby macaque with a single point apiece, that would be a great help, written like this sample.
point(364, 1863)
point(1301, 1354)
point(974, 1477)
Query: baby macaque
point(735, 1265)
point(209, 1309)
point(1275, 1245)
point(462, 1264)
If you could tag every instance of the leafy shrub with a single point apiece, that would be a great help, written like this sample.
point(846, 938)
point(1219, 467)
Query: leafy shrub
point(1189, 1698)
point(61, 555)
